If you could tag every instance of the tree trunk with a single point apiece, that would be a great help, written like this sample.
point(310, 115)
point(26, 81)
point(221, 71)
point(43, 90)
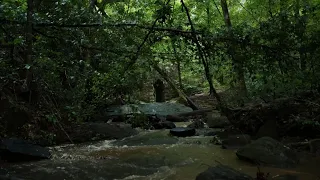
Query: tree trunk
point(178, 64)
point(208, 14)
point(26, 87)
point(203, 58)
point(226, 16)
point(159, 91)
point(209, 79)
point(282, 37)
point(179, 74)
point(171, 83)
point(237, 60)
point(301, 22)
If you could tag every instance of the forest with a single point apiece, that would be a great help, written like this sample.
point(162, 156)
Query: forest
point(71, 69)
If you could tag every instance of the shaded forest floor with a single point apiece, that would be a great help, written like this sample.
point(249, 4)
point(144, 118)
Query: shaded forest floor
point(204, 101)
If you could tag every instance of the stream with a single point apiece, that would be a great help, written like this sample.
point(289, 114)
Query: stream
point(148, 155)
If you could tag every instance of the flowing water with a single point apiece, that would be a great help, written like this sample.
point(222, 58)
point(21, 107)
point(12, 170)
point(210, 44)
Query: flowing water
point(157, 156)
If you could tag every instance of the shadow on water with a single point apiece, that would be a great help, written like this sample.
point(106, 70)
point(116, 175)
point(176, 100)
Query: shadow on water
point(103, 160)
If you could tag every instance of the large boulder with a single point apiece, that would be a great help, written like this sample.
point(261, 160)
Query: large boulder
point(222, 172)
point(18, 150)
point(268, 151)
point(215, 120)
point(315, 146)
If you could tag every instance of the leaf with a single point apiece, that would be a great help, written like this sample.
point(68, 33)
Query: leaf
point(18, 40)
point(27, 66)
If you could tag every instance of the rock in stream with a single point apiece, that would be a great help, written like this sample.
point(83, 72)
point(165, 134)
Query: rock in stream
point(222, 172)
point(152, 138)
point(268, 151)
point(18, 150)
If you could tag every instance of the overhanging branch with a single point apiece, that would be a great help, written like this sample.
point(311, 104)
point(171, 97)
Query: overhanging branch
point(176, 31)
point(98, 25)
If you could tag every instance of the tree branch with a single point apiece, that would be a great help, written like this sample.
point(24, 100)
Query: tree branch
point(135, 58)
point(99, 25)
point(202, 55)
point(176, 31)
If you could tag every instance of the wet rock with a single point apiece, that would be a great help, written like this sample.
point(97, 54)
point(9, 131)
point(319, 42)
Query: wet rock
point(182, 132)
point(18, 150)
point(164, 125)
point(196, 140)
point(149, 109)
point(100, 131)
point(148, 138)
point(268, 151)
point(197, 125)
point(222, 172)
point(236, 141)
point(215, 120)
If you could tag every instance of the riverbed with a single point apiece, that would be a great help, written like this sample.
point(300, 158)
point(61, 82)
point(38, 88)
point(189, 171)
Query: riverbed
point(148, 155)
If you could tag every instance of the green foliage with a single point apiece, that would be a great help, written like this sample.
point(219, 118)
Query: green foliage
point(84, 58)
point(191, 90)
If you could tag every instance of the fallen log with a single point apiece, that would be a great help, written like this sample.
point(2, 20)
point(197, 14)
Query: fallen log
point(174, 87)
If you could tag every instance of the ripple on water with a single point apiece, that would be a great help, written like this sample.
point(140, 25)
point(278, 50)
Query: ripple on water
point(169, 162)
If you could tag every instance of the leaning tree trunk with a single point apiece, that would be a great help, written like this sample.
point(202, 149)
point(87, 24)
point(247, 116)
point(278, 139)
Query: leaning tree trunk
point(203, 58)
point(237, 60)
point(171, 83)
point(222, 106)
